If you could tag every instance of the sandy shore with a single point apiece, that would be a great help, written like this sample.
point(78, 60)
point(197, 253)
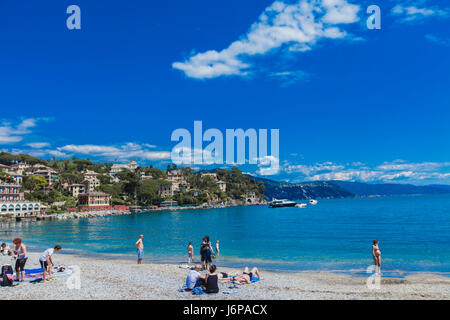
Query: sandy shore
point(122, 279)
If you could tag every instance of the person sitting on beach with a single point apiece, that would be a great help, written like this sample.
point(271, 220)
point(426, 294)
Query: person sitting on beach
point(190, 250)
point(211, 280)
point(46, 262)
point(20, 253)
point(5, 250)
point(376, 254)
point(194, 278)
point(140, 249)
point(247, 277)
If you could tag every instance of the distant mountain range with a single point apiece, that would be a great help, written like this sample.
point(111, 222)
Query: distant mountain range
point(343, 189)
point(309, 190)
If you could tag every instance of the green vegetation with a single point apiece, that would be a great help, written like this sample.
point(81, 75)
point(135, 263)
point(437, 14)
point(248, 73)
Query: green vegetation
point(139, 187)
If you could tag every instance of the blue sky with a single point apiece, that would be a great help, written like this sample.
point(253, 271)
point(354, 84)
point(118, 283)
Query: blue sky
point(350, 103)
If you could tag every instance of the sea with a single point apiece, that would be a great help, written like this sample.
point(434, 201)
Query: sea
point(333, 236)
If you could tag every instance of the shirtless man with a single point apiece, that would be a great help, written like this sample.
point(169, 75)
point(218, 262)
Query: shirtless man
point(376, 254)
point(140, 249)
point(246, 277)
point(190, 250)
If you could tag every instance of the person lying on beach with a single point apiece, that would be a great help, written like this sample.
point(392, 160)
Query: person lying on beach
point(140, 249)
point(226, 275)
point(211, 280)
point(46, 262)
point(194, 278)
point(247, 277)
point(376, 255)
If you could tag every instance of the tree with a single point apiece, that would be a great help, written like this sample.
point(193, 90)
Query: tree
point(148, 191)
point(6, 177)
point(34, 183)
point(82, 164)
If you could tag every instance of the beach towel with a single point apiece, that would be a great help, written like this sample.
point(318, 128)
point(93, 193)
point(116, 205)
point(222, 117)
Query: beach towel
point(198, 291)
point(35, 275)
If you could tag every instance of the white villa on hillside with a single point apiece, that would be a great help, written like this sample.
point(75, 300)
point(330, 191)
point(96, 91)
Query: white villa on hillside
point(118, 167)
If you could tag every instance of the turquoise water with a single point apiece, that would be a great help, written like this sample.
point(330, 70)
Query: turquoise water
point(335, 235)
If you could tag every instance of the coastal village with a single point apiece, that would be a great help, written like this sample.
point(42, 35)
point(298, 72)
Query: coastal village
point(33, 188)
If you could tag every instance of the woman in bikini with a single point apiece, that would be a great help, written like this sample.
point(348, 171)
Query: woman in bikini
point(190, 250)
point(376, 254)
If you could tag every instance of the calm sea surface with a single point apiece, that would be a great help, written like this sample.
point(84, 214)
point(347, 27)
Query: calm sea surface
point(335, 235)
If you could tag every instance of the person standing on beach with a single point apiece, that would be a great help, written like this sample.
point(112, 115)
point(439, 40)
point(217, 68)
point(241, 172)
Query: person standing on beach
point(20, 253)
point(217, 248)
point(46, 262)
point(190, 250)
point(140, 249)
point(205, 252)
point(376, 254)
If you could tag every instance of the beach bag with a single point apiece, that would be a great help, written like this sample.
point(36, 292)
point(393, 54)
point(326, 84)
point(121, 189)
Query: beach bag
point(7, 280)
point(6, 270)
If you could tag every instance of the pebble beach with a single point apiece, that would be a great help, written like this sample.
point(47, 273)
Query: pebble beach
point(114, 279)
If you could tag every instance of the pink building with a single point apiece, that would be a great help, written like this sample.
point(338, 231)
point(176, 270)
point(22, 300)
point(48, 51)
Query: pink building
point(10, 192)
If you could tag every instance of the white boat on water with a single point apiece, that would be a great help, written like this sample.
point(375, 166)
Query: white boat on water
point(313, 202)
point(281, 203)
point(301, 205)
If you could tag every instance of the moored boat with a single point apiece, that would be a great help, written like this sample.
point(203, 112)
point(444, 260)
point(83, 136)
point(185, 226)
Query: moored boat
point(281, 203)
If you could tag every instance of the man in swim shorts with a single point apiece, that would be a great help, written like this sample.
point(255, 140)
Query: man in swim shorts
point(140, 249)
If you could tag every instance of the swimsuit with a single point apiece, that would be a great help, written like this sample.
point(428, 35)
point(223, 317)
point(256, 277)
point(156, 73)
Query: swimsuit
point(21, 260)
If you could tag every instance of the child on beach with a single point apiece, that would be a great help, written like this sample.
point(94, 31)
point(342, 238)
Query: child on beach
point(190, 250)
point(376, 254)
point(46, 262)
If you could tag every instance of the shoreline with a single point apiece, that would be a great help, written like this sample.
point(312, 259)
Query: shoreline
point(107, 213)
point(103, 278)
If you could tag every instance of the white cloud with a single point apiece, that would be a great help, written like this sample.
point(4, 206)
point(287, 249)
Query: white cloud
point(122, 152)
point(438, 39)
point(408, 11)
point(10, 133)
point(395, 171)
point(38, 145)
point(268, 166)
point(299, 26)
